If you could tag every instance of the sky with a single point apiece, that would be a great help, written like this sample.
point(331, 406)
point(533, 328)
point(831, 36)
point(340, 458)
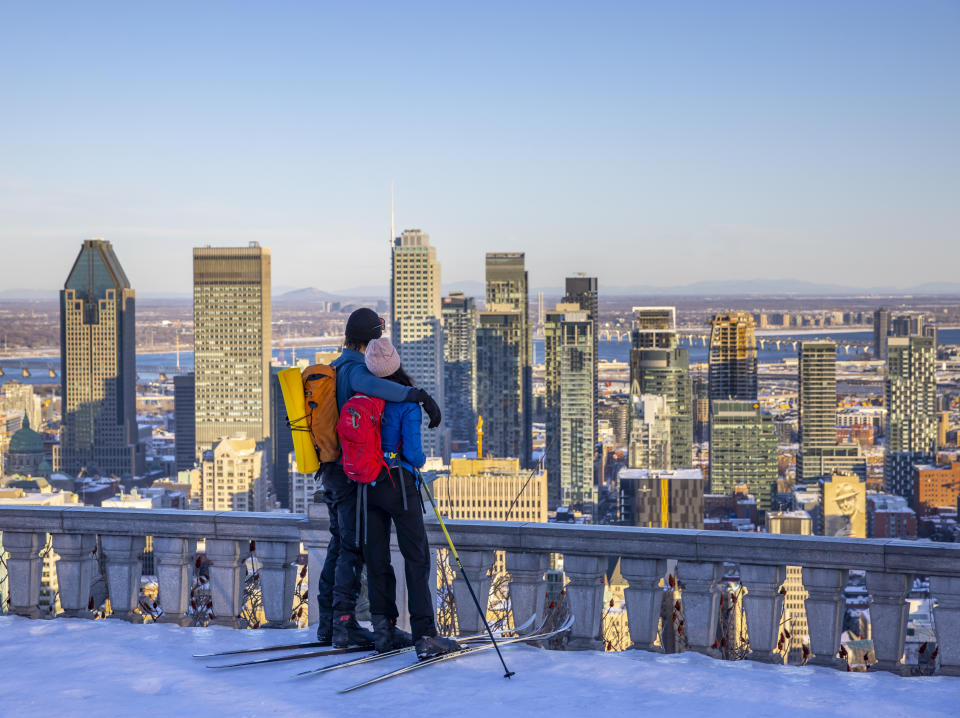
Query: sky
point(644, 143)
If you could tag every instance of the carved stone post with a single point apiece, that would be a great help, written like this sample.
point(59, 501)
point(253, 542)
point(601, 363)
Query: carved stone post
point(278, 580)
point(701, 603)
point(224, 557)
point(527, 590)
point(825, 607)
point(75, 571)
point(643, 598)
point(24, 567)
point(763, 604)
point(946, 617)
point(172, 558)
point(477, 566)
point(888, 616)
point(585, 594)
point(123, 568)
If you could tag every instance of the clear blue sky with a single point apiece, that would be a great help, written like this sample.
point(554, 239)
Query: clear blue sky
point(655, 143)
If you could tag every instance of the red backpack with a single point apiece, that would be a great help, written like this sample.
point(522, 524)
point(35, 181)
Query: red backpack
point(359, 432)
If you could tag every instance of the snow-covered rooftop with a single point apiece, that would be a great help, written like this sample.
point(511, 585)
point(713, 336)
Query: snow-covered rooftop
point(75, 667)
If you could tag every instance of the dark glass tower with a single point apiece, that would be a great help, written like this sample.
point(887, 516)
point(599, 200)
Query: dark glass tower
point(97, 355)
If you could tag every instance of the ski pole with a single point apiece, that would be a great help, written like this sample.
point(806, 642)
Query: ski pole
point(453, 550)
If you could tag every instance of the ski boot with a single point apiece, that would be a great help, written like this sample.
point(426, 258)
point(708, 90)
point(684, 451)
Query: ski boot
point(432, 646)
point(386, 635)
point(347, 632)
point(325, 630)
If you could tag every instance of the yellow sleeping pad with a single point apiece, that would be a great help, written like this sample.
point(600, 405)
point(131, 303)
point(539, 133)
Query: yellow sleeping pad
point(291, 384)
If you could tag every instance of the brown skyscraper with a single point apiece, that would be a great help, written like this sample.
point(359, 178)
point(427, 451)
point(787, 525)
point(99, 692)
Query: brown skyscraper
point(97, 355)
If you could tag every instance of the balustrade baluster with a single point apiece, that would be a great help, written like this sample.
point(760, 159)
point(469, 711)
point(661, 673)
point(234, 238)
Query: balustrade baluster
point(945, 590)
point(75, 571)
point(888, 616)
point(278, 580)
point(763, 604)
point(224, 557)
point(123, 568)
point(700, 599)
point(643, 598)
point(584, 595)
point(24, 568)
point(527, 589)
point(477, 564)
point(825, 608)
point(173, 558)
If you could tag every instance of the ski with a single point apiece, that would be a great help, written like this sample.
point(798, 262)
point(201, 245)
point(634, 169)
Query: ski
point(295, 656)
point(285, 647)
point(378, 656)
point(457, 654)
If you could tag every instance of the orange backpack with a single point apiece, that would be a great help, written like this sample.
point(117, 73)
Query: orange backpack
point(320, 397)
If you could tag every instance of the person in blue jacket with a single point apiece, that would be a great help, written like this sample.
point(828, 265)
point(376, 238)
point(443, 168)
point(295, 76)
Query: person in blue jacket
point(339, 584)
point(395, 497)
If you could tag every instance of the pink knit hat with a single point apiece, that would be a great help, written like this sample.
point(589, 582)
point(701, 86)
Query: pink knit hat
point(381, 358)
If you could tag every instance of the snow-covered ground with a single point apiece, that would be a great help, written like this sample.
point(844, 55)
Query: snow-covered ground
point(72, 667)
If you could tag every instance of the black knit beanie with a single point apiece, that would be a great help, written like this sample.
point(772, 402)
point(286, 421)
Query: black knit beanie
point(363, 325)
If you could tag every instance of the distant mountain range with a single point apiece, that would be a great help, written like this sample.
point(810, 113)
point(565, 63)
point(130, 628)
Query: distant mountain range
point(472, 288)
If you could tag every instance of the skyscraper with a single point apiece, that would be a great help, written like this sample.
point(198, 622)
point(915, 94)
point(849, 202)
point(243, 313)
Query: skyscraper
point(743, 450)
point(184, 422)
point(507, 290)
point(733, 357)
point(232, 343)
point(582, 290)
point(460, 369)
point(911, 402)
point(416, 322)
point(570, 407)
point(881, 330)
point(659, 366)
point(499, 381)
point(97, 354)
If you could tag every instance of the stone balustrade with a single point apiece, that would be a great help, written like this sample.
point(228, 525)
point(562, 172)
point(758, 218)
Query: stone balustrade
point(697, 561)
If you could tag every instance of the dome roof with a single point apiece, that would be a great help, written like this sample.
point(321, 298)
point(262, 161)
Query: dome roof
point(25, 441)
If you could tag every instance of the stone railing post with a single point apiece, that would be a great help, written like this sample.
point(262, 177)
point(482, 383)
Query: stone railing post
point(825, 607)
point(643, 598)
point(888, 616)
point(24, 567)
point(122, 555)
point(585, 594)
point(946, 617)
point(399, 571)
point(527, 590)
point(173, 557)
point(224, 557)
point(477, 564)
point(75, 571)
point(278, 579)
point(315, 537)
point(700, 599)
point(763, 604)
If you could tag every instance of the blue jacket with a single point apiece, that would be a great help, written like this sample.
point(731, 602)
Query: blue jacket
point(401, 428)
point(353, 377)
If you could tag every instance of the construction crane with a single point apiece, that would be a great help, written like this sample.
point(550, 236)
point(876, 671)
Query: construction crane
point(479, 437)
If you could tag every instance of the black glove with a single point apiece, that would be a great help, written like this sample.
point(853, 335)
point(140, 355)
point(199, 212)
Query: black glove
point(429, 406)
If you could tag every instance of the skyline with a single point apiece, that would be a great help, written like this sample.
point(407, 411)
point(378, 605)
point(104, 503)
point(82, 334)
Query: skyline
point(689, 143)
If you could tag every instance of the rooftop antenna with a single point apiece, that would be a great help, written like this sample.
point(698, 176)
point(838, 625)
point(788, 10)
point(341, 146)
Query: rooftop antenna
point(393, 230)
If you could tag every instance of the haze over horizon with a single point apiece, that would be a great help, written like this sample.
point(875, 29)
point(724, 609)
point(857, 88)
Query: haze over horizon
point(646, 146)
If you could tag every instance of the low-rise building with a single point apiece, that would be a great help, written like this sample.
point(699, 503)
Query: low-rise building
point(935, 486)
point(492, 490)
point(663, 499)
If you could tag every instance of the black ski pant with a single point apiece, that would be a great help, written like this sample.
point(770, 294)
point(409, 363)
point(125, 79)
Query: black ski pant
point(385, 504)
point(340, 579)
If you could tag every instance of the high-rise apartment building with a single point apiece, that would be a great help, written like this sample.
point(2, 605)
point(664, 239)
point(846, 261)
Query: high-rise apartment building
point(911, 402)
point(570, 407)
point(460, 369)
point(232, 476)
point(881, 330)
point(184, 422)
point(659, 366)
point(232, 343)
point(504, 356)
point(97, 354)
point(733, 357)
point(416, 322)
point(743, 450)
point(649, 443)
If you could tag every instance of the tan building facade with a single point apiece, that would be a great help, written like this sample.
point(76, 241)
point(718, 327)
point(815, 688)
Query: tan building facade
point(232, 478)
point(486, 489)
